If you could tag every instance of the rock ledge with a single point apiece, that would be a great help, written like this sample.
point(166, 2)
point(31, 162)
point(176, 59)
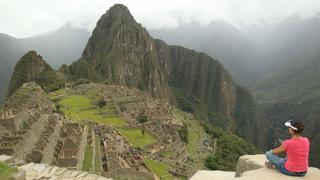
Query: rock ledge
point(251, 167)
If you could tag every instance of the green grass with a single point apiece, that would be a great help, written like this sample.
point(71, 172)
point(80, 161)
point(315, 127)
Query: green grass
point(6, 171)
point(93, 95)
point(57, 93)
point(195, 131)
point(168, 154)
point(87, 162)
point(194, 134)
point(97, 162)
point(135, 137)
point(73, 106)
point(158, 168)
point(127, 99)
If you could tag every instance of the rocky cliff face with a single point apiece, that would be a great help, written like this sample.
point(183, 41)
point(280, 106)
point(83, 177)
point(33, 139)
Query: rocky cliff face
point(201, 85)
point(31, 67)
point(120, 51)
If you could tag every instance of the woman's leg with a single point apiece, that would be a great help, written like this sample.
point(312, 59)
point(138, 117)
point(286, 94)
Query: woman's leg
point(274, 159)
point(283, 169)
point(279, 164)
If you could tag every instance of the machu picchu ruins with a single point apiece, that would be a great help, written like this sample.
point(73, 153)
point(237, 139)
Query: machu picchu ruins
point(114, 112)
point(116, 132)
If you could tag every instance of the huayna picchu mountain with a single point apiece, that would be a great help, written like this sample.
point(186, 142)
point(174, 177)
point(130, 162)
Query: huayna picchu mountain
point(120, 51)
point(31, 67)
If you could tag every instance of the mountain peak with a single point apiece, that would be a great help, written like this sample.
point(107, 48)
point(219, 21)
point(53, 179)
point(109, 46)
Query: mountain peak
point(119, 8)
point(31, 67)
point(118, 12)
point(113, 27)
point(32, 54)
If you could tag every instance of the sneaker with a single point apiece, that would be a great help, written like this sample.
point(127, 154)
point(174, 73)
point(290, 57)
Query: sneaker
point(269, 165)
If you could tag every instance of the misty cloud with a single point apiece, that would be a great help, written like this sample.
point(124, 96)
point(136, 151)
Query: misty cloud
point(26, 18)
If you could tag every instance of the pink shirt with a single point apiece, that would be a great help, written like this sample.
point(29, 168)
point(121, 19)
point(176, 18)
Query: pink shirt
point(297, 150)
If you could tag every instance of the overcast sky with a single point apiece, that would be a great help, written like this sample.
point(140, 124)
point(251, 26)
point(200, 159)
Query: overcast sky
point(23, 18)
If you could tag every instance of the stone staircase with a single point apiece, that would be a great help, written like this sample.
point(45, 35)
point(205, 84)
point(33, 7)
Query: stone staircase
point(35, 171)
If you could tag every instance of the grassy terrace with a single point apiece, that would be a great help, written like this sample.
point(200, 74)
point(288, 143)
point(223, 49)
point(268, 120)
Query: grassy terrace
point(79, 108)
point(135, 137)
point(57, 94)
point(127, 99)
point(194, 135)
point(97, 164)
point(87, 162)
point(6, 171)
point(168, 154)
point(158, 168)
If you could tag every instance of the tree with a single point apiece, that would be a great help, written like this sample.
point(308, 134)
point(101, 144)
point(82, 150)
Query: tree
point(101, 103)
point(58, 109)
point(142, 131)
point(183, 133)
point(142, 118)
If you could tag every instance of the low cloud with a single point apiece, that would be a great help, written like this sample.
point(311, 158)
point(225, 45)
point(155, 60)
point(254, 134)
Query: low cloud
point(27, 18)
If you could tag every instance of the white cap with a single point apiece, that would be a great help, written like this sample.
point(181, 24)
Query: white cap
point(288, 124)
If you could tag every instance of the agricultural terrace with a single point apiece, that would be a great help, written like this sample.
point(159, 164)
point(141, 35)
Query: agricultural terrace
point(136, 137)
point(79, 108)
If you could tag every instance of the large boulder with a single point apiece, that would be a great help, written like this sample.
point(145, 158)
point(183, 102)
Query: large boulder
point(250, 162)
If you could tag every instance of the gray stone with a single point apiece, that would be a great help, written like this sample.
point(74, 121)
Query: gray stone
point(75, 173)
point(6, 159)
point(53, 177)
point(250, 162)
point(83, 174)
point(103, 178)
point(39, 167)
point(20, 175)
point(60, 171)
point(91, 177)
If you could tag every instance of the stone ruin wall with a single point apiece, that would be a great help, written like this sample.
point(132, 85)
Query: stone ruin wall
point(30, 138)
point(82, 148)
point(48, 151)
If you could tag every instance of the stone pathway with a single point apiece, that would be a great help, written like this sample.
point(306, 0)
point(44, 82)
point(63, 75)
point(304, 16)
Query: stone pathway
point(46, 172)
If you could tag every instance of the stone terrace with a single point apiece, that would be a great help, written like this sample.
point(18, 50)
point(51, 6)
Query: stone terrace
point(71, 148)
point(120, 159)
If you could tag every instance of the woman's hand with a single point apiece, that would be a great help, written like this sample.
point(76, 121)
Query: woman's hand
point(278, 150)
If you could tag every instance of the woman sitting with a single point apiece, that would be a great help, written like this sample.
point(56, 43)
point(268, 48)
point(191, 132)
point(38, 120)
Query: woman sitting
point(297, 150)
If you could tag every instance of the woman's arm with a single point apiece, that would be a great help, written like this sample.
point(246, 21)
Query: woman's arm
point(278, 150)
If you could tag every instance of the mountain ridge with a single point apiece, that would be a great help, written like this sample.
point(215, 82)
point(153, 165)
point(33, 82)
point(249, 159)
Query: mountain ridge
point(57, 47)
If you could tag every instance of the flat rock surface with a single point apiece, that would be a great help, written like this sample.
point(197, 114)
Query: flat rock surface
point(213, 175)
point(5, 158)
point(266, 174)
point(251, 167)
